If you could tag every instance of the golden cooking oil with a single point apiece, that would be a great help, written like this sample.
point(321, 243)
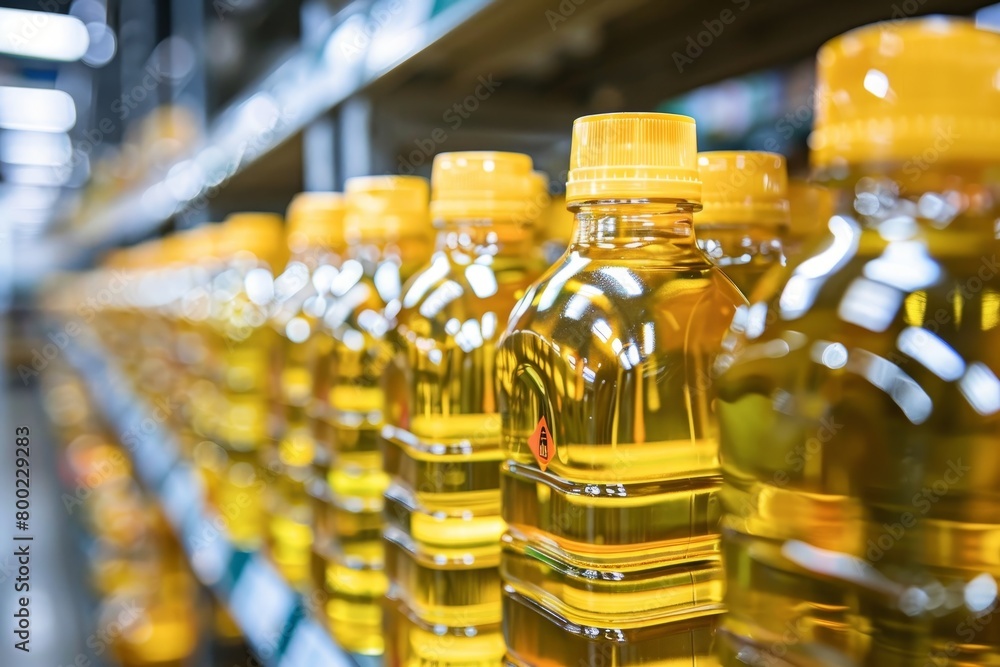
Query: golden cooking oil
point(810, 208)
point(554, 231)
point(388, 234)
point(744, 217)
point(317, 246)
point(860, 406)
point(611, 473)
point(243, 296)
point(442, 439)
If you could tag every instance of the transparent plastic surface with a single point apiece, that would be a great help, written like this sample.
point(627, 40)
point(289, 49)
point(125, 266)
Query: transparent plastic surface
point(349, 527)
point(442, 446)
point(612, 552)
point(743, 252)
point(859, 424)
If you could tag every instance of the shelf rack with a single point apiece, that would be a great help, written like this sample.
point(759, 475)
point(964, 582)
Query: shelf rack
point(557, 58)
point(275, 619)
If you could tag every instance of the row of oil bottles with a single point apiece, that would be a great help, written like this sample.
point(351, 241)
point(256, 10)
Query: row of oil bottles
point(480, 460)
point(143, 603)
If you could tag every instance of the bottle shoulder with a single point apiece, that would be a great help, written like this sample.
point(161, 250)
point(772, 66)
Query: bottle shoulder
point(912, 319)
point(450, 287)
point(581, 294)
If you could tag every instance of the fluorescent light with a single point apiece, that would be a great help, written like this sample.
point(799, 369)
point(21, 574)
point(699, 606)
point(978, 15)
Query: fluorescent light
point(34, 175)
point(41, 109)
point(43, 149)
point(18, 198)
point(42, 35)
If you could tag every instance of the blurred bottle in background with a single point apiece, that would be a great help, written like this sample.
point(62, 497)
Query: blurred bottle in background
point(744, 217)
point(442, 439)
point(243, 298)
point(388, 235)
point(302, 291)
point(863, 386)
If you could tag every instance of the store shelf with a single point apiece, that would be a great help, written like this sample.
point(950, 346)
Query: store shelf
point(306, 85)
point(272, 615)
point(556, 60)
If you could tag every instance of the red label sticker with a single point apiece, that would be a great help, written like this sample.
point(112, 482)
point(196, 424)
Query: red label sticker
point(542, 444)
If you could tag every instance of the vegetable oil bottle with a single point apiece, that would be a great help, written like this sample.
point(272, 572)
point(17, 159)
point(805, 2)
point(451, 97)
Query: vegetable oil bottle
point(744, 215)
point(243, 297)
point(389, 237)
point(442, 441)
point(860, 404)
point(611, 478)
point(316, 241)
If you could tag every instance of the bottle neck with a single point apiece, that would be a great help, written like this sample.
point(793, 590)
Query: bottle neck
point(642, 227)
point(476, 238)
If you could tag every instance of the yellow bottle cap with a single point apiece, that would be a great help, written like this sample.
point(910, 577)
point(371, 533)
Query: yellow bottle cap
point(484, 184)
point(743, 187)
point(556, 223)
point(919, 90)
point(386, 206)
point(258, 233)
point(172, 250)
point(633, 156)
point(316, 218)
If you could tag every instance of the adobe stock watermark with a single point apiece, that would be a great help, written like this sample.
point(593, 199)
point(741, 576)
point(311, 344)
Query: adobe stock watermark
point(796, 459)
point(922, 501)
point(361, 37)
point(252, 481)
point(697, 44)
point(117, 463)
point(60, 340)
point(562, 12)
point(120, 110)
point(224, 7)
point(129, 619)
point(454, 117)
point(944, 139)
point(36, 22)
point(902, 11)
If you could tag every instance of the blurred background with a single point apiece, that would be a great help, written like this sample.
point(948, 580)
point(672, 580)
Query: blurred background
point(124, 120)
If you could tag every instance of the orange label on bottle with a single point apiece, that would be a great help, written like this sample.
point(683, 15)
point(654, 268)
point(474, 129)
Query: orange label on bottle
point(542, 444)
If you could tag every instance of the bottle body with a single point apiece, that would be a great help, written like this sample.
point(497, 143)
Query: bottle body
point(743, 252)
point(303, 297)
point(442, 447)
point(611, 554)
point(349, 525)
point(243, 297)
point(863, 389)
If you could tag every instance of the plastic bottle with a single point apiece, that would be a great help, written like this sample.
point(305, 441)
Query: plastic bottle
point(744, 216)
point(611, 478)
point(859, 410)
point(243, 298)
point(317, 246)
point(389, 237)
point(442, 439)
